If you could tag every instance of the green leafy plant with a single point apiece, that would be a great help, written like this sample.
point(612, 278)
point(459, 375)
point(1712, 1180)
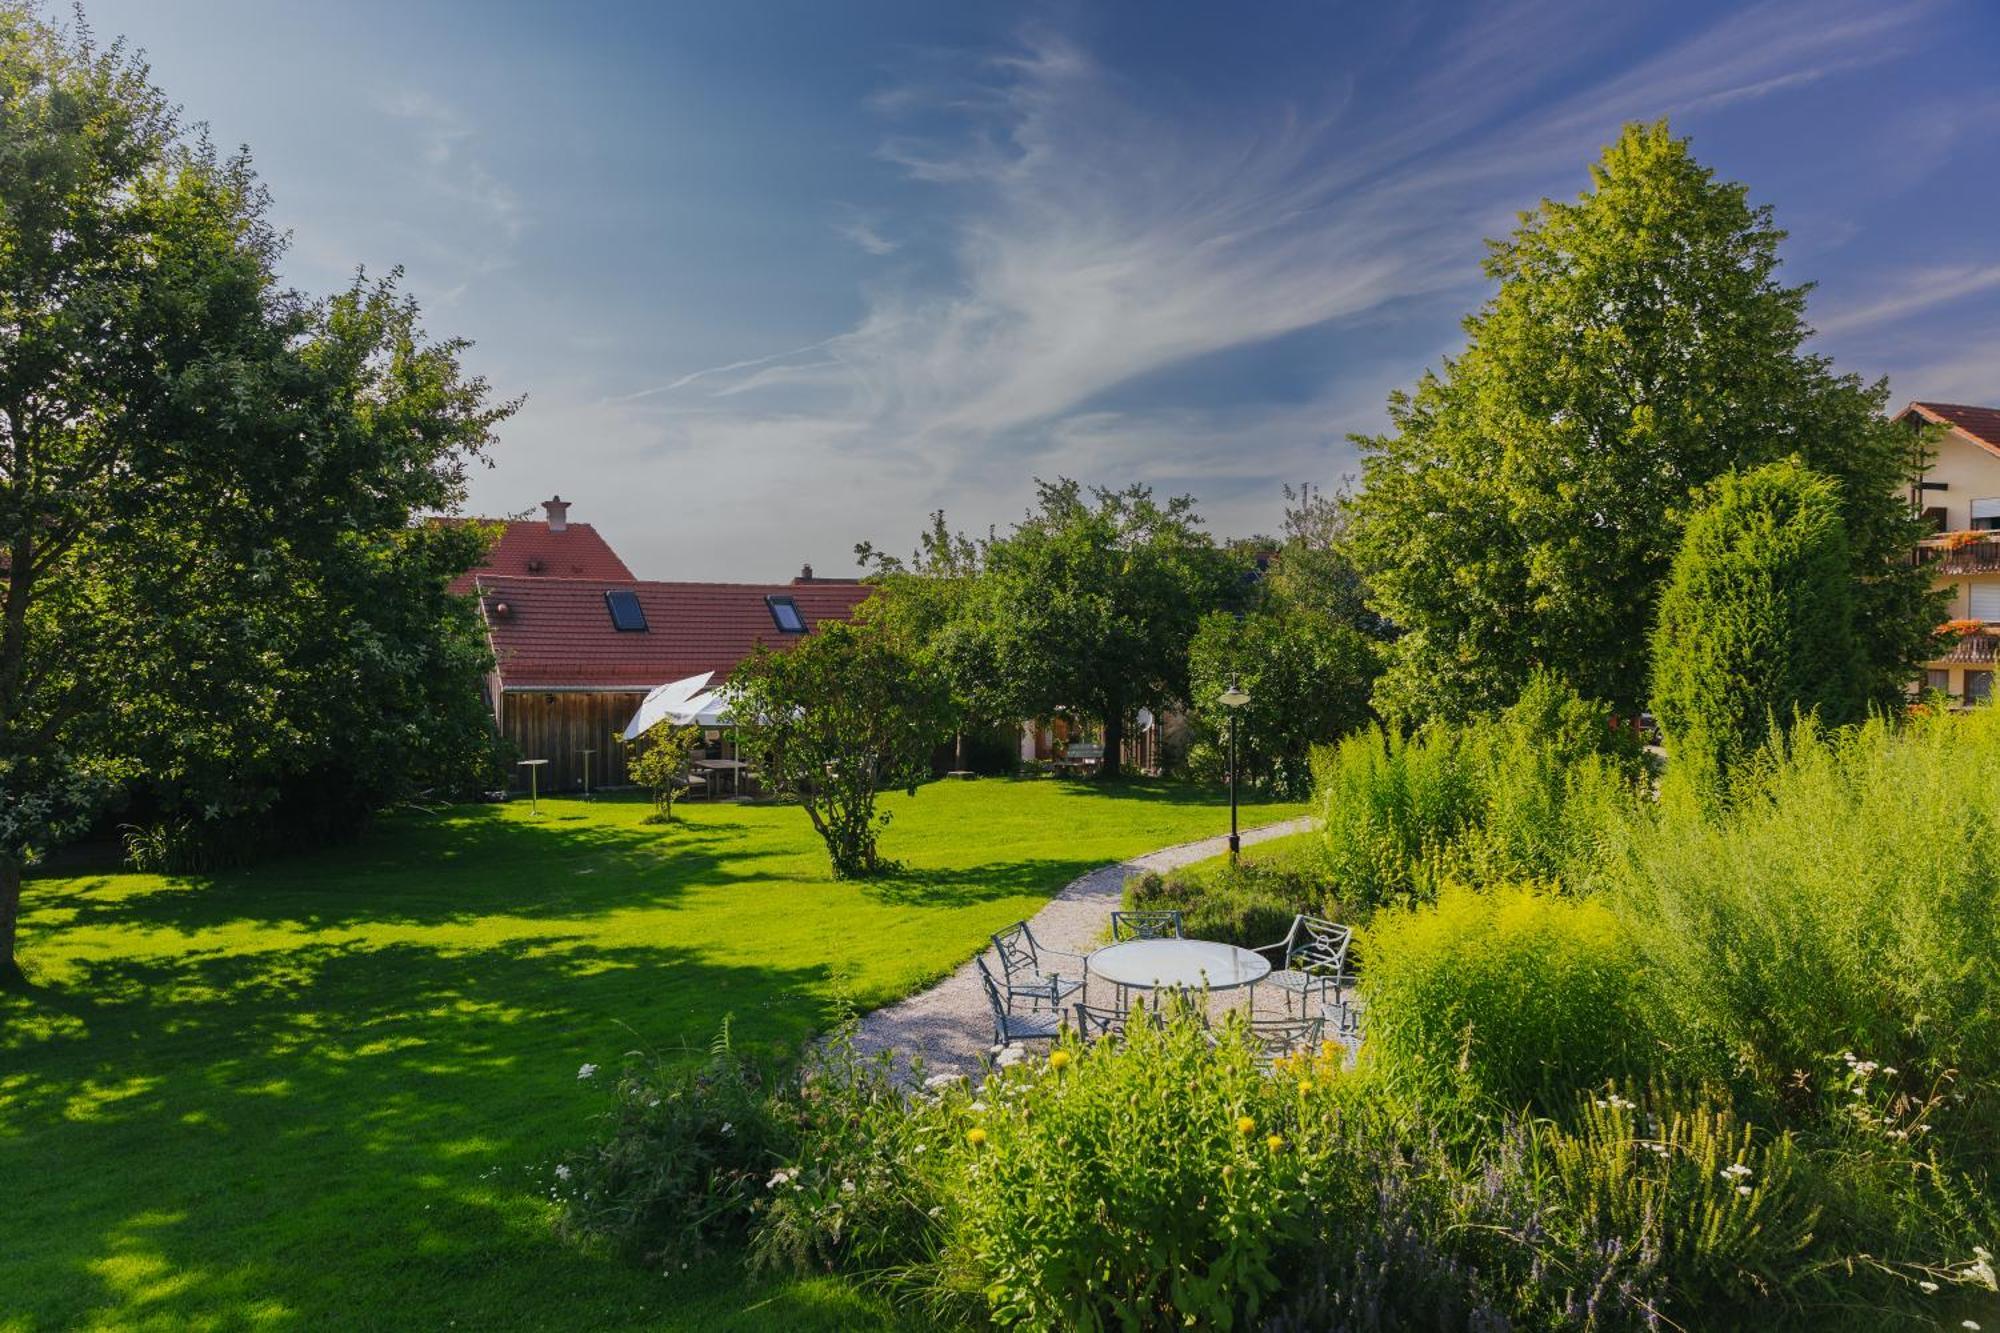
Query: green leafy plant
point(1756, 623)
point(1514, 996)
point(660, 766)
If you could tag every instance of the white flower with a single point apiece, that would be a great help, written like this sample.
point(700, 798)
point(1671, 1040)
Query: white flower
point(784, 1175)
point(976, 1107)
point(727, 1129)
point(1744, 1190)
point(562, 1173)
point(1890, 1070)
point(1972, 1324)
point(587, 1071)
point(1734, 1170)
point(847, 1187)
point(938, 1082)
point(1927, 1287)
point(1013, 1055)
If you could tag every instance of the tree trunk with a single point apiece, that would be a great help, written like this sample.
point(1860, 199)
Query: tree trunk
point(10, 917)
point(1114, 742)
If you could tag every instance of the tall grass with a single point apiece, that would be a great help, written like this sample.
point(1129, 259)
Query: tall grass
point(1524, 796)
point(1847, 900)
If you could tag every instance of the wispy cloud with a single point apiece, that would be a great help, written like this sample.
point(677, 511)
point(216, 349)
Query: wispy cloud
point(445, 168)
point(863, 232)
point(1097, 240)
point(1912, 294)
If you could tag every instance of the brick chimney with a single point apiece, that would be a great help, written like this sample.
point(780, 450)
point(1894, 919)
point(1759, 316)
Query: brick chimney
point(805, 574)
point(558, 512)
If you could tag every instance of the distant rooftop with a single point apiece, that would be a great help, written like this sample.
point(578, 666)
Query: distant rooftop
point(1981, 423)
point(550, 547)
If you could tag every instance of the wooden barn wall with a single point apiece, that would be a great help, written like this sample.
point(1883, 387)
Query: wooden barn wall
point(558, 727)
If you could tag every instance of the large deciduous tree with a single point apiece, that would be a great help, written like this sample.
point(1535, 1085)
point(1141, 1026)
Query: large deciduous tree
point(1527, 506)
point(213, 587)
point(841, 716)
point(1090, 602)
point(1757, 620)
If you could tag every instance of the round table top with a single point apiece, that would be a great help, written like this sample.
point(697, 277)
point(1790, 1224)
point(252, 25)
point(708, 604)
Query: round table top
point(1180, 964)
point(722, 763)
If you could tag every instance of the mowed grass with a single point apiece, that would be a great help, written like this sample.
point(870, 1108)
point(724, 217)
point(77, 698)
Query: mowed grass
point(322, 1093)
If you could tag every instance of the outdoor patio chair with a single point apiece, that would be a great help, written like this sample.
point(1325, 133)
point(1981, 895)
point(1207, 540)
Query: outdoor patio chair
point(1026, 963)
point(1010, 1027)
point(1148, 925)
point(1312, 957)
point(1279, 1037)
point(1094, 1022)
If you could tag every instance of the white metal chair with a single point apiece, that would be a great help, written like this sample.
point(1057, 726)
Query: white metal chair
point(1313, 957)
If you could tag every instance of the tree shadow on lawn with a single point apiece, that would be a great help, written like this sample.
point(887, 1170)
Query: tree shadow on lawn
point(971, 885)
point(423, 871)
point(1160, 791)
point(351, 1135)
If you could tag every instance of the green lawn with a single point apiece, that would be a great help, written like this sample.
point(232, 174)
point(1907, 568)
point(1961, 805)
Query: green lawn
point(321, 1093)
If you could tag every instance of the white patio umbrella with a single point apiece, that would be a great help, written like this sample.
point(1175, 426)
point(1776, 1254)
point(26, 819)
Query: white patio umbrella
point(664, 702)
point(704, 710)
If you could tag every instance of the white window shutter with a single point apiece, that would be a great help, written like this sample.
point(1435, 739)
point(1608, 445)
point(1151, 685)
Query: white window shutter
point(1986, 509)
point(1986, 602)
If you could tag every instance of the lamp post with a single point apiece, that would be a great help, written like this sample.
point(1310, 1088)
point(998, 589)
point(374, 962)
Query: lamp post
point(1233, 699)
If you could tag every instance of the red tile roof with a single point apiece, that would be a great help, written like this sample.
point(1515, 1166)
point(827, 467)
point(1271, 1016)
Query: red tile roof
point(1981, 423)
point(531, 550)
point(557, 631)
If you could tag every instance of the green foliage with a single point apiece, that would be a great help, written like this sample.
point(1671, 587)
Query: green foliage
point(1515, 996)
point(1757, 621)
point(1848, 900)
point(216, 593)
point(1089, 604)
point(840, 716)
point(684, 1155)
point(1249, 903)
point(660, 766)
point(1150, 1185)
point(1527, 507)
point(1308, 677)
point(1521, 796)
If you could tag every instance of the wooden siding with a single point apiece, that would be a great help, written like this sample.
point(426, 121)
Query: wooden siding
point(558, 726)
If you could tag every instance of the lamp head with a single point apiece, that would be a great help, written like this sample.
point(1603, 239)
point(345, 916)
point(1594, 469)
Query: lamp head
point(1235, 696)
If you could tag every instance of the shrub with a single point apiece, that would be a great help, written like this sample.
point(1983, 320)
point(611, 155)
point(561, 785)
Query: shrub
point(1153, 1183)
point(1249, 903)
point(660, 766)
point(1848, 901)
point(1514, 995)
point(685, 1153)
point(1756, 623)
point(1521, 796)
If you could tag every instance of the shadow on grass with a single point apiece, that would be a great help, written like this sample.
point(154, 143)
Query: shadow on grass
point(352, 1136)
point(433, 870)
point(972, 885)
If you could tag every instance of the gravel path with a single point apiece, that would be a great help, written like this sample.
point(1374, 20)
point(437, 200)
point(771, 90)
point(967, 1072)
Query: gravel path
point(951, 1026)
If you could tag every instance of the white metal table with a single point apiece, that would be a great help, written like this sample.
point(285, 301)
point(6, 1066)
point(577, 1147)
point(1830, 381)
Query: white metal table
point(1179, 965)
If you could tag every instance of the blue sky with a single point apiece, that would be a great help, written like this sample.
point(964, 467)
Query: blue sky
point(779, 277)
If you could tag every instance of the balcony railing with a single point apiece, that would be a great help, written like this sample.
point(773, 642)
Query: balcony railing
point(1962, 552)
point(1979, 647)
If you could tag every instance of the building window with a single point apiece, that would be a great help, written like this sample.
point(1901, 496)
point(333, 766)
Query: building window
point(1935, 519)
point(1986, 515)
point(1938, 678)
point(1978, 686)
point(1983, 601)
point(626, 615)
point(785, 614)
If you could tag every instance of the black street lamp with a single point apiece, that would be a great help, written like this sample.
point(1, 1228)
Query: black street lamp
point(1233, 699)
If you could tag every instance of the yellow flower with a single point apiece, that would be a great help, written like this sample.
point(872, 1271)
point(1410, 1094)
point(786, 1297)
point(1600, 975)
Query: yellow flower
point(1245, 1125)
point(1275, 1142)
point(976, 1137)
point(1327, 1048)
point(1057, 1059)
point(1305, 1086)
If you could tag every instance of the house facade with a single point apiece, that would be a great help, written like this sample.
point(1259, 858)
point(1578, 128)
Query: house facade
point(578, 641)
point(1959, 496)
